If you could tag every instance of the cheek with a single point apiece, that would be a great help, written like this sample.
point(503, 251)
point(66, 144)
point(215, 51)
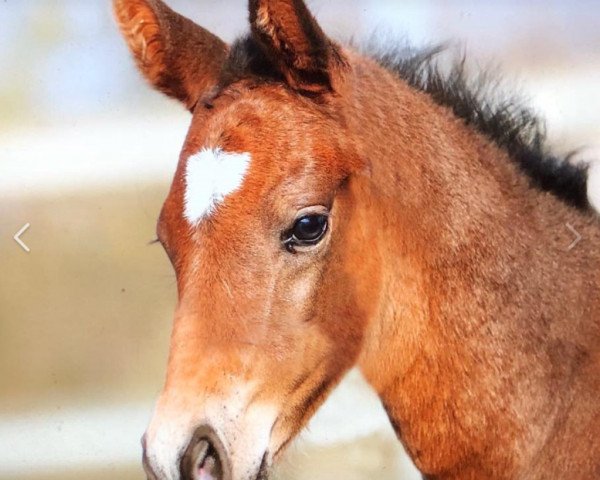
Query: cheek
point(301, 290)
point(347, 299)
point(310, 298)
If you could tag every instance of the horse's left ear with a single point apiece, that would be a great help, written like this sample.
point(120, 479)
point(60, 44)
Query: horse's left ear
point(294, 41)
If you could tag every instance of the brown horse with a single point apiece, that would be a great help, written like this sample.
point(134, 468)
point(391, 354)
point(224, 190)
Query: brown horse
point(332, 209)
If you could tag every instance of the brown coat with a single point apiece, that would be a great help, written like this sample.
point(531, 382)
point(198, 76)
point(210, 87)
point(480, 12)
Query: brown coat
point(443, 273)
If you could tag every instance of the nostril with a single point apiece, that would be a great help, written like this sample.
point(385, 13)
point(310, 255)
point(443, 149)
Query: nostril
point(204, 462)
point(205, 457)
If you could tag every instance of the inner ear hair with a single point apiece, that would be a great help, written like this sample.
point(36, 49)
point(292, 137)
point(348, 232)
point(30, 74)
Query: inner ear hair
point(177, 56)
point(295, 42)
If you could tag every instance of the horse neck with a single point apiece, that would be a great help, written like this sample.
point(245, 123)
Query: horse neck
point(483, 317)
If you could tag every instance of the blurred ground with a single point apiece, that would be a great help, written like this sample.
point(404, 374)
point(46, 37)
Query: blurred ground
point(86, 156)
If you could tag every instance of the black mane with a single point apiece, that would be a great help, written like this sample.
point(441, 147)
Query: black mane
point(506, 121)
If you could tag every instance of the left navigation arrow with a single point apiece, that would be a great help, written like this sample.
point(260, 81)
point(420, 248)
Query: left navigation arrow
point(17, 237)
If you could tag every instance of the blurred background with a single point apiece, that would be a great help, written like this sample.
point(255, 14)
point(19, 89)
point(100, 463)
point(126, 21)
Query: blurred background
point(86, 156)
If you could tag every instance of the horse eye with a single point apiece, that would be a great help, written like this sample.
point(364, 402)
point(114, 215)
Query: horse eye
point(307, 230)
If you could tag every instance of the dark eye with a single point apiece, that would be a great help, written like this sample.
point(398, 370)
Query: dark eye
point(307, 230)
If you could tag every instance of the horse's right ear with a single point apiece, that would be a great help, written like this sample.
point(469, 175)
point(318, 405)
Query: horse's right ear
point(178, 57)
point(290, 35)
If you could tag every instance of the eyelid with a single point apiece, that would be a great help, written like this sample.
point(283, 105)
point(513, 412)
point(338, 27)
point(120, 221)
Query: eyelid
point(311, 210)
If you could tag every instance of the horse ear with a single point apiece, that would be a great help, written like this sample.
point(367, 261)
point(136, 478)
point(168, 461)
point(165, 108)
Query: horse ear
point(294, 41)
point(178, 57)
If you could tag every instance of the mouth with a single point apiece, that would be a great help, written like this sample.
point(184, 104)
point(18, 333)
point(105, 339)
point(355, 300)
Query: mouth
point(263, 471)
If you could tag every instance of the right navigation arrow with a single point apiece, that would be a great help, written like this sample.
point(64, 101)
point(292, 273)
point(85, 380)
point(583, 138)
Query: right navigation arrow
point(577, 236)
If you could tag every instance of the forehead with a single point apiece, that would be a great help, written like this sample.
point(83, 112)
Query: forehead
point(283, 136)
point(268, 117)
point(259, 146)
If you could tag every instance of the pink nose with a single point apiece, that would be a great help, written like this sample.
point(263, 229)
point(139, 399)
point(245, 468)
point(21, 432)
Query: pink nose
point(205, 457)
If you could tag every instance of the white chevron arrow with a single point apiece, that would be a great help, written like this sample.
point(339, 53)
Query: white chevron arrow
point(577, 236)
point(18, 239)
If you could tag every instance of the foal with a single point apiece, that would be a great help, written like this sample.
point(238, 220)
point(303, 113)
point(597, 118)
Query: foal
point(330, 210)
